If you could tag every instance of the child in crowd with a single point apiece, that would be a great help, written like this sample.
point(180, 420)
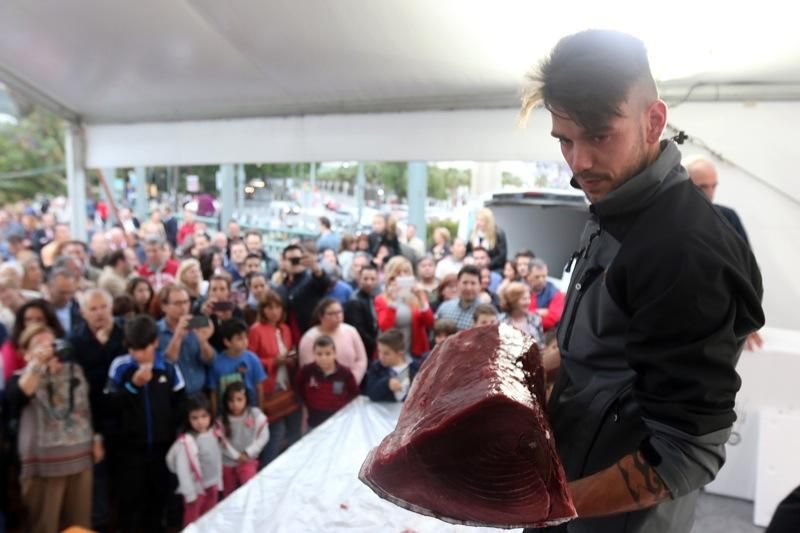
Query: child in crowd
point(245, 432)
point(325, 385)
point(146, 393)
point(442, 329)
point(196, 458)
point(236, 363)
point(485, 314)
point(390, 377)
point(551, 359)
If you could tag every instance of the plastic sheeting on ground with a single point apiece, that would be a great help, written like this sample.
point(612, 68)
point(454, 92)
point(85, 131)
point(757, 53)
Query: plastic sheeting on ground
point(314, 485)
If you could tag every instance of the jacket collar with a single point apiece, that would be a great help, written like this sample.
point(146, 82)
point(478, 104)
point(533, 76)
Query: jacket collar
point(640, 190)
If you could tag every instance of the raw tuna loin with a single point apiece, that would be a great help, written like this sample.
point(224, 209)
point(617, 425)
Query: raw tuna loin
point(472, 445)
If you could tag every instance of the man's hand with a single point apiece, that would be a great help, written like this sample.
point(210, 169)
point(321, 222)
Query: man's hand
point(208, 307)
point(182, 327)
point(203, 334)
point(754, 341)
point(143, 375)
point(103, 334)
point(243, 457)
point(395, 385)
point(98, 451)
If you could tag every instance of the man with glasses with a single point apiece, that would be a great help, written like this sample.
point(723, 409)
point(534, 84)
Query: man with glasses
point(303, 285)
point(188, 348)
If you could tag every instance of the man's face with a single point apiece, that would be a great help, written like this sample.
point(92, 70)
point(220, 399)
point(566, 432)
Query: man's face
point(201, 242)
point(426, 269)
point(76, 252)
point(97, 312)
point(62, 290)
point(486, 278)
point(252, 265)
point(293, 261)
point(469, 286)
point(220, 241)
point(459, 249)
point(98, 245)
point(177, 305)
point(152, 253)
point(61, 233)
point(537, 278)
point(233, 230)
point(481, 258)
point(238, 253)
point(523, 266)
point(218, 291)
point(253, 243)
point(603, 159)
point(367, 281)
point(325, 357)
point(359, 262)
point(704, 176)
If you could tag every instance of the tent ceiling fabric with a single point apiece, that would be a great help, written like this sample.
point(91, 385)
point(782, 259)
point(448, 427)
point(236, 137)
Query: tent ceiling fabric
point(120, 62)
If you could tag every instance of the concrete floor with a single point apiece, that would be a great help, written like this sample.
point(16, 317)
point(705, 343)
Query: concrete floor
point(718, 514)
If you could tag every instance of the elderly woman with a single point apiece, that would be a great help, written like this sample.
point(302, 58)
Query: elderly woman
point(57, 446)
point(515, 300)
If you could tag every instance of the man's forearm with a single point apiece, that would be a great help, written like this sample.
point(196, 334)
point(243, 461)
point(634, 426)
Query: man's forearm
point(173, 350)
point(629, 485)
point(207, 352)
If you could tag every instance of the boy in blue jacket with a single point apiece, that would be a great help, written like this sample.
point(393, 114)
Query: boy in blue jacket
point(390, 377)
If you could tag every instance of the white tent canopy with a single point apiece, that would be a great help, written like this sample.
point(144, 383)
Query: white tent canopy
point(206, 82)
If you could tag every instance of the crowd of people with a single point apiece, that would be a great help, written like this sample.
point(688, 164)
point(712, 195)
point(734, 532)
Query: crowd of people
point(160, 356)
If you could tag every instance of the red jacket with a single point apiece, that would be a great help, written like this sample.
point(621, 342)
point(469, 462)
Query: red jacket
point(555, 309)
point(261, 341)
point(421, 323)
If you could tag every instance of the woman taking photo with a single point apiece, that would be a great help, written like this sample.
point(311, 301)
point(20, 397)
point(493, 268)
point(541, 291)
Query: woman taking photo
point(404, 305)
point(57, 446)
point(33, 312)
point(329, 320)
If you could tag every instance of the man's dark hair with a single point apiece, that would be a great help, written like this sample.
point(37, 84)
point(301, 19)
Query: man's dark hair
point(251, 255)
point(324, 341)
point(325, 222)
point(254, 232)
point(588, 75)
point(290, 248)
point(368, 267)
point(115, 257)
point(140, 332)
point(471, 270)
point(484, 309)
point(60, 271)
point(230, 328)
point(480, 249)
point(394, 339)
point(445, 326)
point(77, 243)
point(525, 253)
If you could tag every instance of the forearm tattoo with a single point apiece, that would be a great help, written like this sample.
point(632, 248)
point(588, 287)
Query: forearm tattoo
point(642, 481)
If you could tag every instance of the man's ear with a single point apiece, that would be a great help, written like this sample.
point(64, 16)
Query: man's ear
point(656, 121)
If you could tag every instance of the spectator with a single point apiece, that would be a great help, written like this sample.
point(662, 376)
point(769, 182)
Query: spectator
point(481, 259)
point(486, 296)
point(219, 307)
point(98, 249)
point(384, 232)
point(60, 236)
point(442, 329)
point(414, 242)
point(95, 345)
point(56, 467)
point(123, 307)
point(187, 228)
point(509, 275)
point(128, 222)
point(142, 293)
point(360, 260)
point(115, 273)
point(32, 277)
point(246, 432)
point(339, 290)
point(447, 290)
point(236, 363)
point(522, 262)
point(189, 349)
point(213, 262)
point(32, 313)
point(236, 266)
point(347, 251)
point(170, 224)
point(62, 286)
point(117, 239)
point(45, 234)
point(145, 393)
point(302, 284)
point(200, 244)
point(462, 309)
point(359, 311)
point(10, 297)
point(270, 339)
point(327, 240)
point(487, 235)
point(362, 243)
point(350, 352)
point(441, 243)
point(257, 287)
point(485, 315)
point(452, 263)
point(549, 301)
point(255, 245)
point(426, 273)
point(196, 459)
point(234, 230)
point(219, 241)
point(405, 307)
point(325, 384)
point(515, 300)
point(190, 278)
point(391, 375)
point(159, 269)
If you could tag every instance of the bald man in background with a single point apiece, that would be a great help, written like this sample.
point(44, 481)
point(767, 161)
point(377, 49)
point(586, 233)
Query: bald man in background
point(703, 174)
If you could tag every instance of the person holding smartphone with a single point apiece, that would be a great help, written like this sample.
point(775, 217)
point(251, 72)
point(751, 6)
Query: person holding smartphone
point(219, 307)
point(404, 305)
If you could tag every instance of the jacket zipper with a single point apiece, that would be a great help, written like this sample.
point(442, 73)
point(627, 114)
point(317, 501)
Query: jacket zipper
point(581, 286)
point(148, 417)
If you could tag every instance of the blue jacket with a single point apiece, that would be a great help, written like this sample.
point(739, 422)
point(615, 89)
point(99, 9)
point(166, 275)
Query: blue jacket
point(378, 377)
